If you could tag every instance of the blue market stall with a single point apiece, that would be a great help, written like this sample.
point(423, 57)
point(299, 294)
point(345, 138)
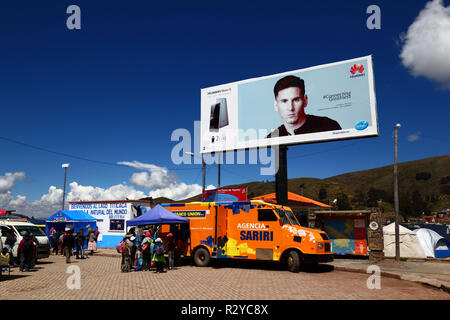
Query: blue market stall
point(157, 215)
point(70, 219)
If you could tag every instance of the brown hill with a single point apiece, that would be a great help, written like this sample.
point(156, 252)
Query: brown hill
point(430, 177)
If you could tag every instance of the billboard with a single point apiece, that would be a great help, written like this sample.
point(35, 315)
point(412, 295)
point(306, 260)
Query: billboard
point(328, 102)
point(225, 195)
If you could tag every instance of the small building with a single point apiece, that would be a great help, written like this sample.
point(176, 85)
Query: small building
point(301, 206)
point(111, 216)
point(353, 232)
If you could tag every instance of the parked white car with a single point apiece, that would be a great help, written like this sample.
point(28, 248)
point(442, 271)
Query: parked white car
point(20, 227)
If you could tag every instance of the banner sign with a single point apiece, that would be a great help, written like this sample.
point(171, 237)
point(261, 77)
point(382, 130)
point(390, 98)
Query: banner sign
point(322, 103)
point(114, 210)
point(191, 214)
point(225, 195)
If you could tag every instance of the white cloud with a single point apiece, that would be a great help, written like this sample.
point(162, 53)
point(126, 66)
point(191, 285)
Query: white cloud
point(89, 193)
point(414, 137)
point(7, 181)
point(159, 177)
point(51, 202)
point(178, 191)
point(162, 181)
point(426, 45)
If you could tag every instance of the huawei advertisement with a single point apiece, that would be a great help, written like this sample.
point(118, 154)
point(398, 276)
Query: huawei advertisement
point(322, 103)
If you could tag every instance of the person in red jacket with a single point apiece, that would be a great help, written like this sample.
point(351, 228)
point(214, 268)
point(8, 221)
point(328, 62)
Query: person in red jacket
point(26, 251)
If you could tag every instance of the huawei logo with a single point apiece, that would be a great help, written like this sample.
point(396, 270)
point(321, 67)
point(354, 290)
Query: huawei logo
point(357, 67)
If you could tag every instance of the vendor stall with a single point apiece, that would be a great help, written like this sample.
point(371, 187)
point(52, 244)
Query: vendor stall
point(111, 216)
point(157, 215)
point(70, 219)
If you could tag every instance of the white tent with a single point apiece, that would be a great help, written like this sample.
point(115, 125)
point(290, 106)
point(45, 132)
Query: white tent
point(430, 241)
point(410, 246)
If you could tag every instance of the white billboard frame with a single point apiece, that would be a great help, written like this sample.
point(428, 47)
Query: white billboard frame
point(215, 138)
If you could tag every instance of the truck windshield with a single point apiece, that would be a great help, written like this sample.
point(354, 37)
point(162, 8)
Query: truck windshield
point(35, 231)
point(291, 217)
point(283, 217)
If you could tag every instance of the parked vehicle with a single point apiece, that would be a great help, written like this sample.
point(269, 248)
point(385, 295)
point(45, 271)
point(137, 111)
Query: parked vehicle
point(253, 230)
point(20, 226)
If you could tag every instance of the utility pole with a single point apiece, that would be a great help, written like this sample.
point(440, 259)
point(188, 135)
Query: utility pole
point(65, 166)
point(397, 231)
point(203, 170)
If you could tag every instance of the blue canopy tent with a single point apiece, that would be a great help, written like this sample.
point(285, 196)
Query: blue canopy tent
point(157, 215)
point(70, 219)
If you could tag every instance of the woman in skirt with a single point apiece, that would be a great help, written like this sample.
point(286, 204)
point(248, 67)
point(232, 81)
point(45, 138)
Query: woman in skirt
point(92, 242)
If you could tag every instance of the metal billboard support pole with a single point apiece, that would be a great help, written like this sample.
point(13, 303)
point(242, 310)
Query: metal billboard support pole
point(204, 173)
point(281, 186)
point(397, 231)
point(218, 171)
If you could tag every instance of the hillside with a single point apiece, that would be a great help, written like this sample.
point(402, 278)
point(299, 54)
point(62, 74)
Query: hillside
point(427, 178)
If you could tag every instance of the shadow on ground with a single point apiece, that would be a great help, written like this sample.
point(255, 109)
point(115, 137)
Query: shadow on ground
point(269, 265)
point(6, 277)
point(39, 262)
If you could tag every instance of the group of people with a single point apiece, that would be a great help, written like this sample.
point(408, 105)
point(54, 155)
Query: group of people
point(26, 251)
point(143, 249)
point(64, 242)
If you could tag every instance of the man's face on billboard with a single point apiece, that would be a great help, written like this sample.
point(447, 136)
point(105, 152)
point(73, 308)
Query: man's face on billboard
point(290, 103)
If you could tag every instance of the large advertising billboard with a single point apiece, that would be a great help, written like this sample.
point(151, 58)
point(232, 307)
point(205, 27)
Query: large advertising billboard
point(322, 103)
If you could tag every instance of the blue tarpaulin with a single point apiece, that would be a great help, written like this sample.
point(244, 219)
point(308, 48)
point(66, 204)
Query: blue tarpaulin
point(70, 219)
point(157, 215)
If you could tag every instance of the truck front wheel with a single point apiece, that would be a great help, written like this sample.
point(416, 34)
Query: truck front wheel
point(201, 257)
point(293, 261)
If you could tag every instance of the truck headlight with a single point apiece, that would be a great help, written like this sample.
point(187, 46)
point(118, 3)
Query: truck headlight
point(320, 245)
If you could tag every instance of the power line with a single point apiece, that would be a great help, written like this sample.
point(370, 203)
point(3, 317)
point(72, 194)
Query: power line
point(77, 157)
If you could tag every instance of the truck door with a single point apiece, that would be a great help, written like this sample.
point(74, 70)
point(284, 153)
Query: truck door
point(221, 231)
point(267, 246)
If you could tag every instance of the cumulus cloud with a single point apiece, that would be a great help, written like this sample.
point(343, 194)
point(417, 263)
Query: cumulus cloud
point(426, 45)
point(161, 181)
point(89, 193)
point(7, 181)
point(414, 137)
point(51, 201)
point(159, 177)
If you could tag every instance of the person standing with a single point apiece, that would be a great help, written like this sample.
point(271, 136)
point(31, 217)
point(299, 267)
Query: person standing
point(158, 256)
point(146, 251)
point(92, 241)
point(52, 238)
point(126, 254)
point(36, 245)
point(61, 238)
point(80, 243)
point(9, 244)
point(171, 247)
point(68, 244)
point(26, 251)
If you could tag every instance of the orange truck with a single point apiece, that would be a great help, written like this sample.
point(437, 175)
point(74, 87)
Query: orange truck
point(254, 230)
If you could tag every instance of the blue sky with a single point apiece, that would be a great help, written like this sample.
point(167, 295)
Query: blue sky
point(115, 90)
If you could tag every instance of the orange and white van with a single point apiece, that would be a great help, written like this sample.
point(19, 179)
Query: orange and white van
point(254, 230)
